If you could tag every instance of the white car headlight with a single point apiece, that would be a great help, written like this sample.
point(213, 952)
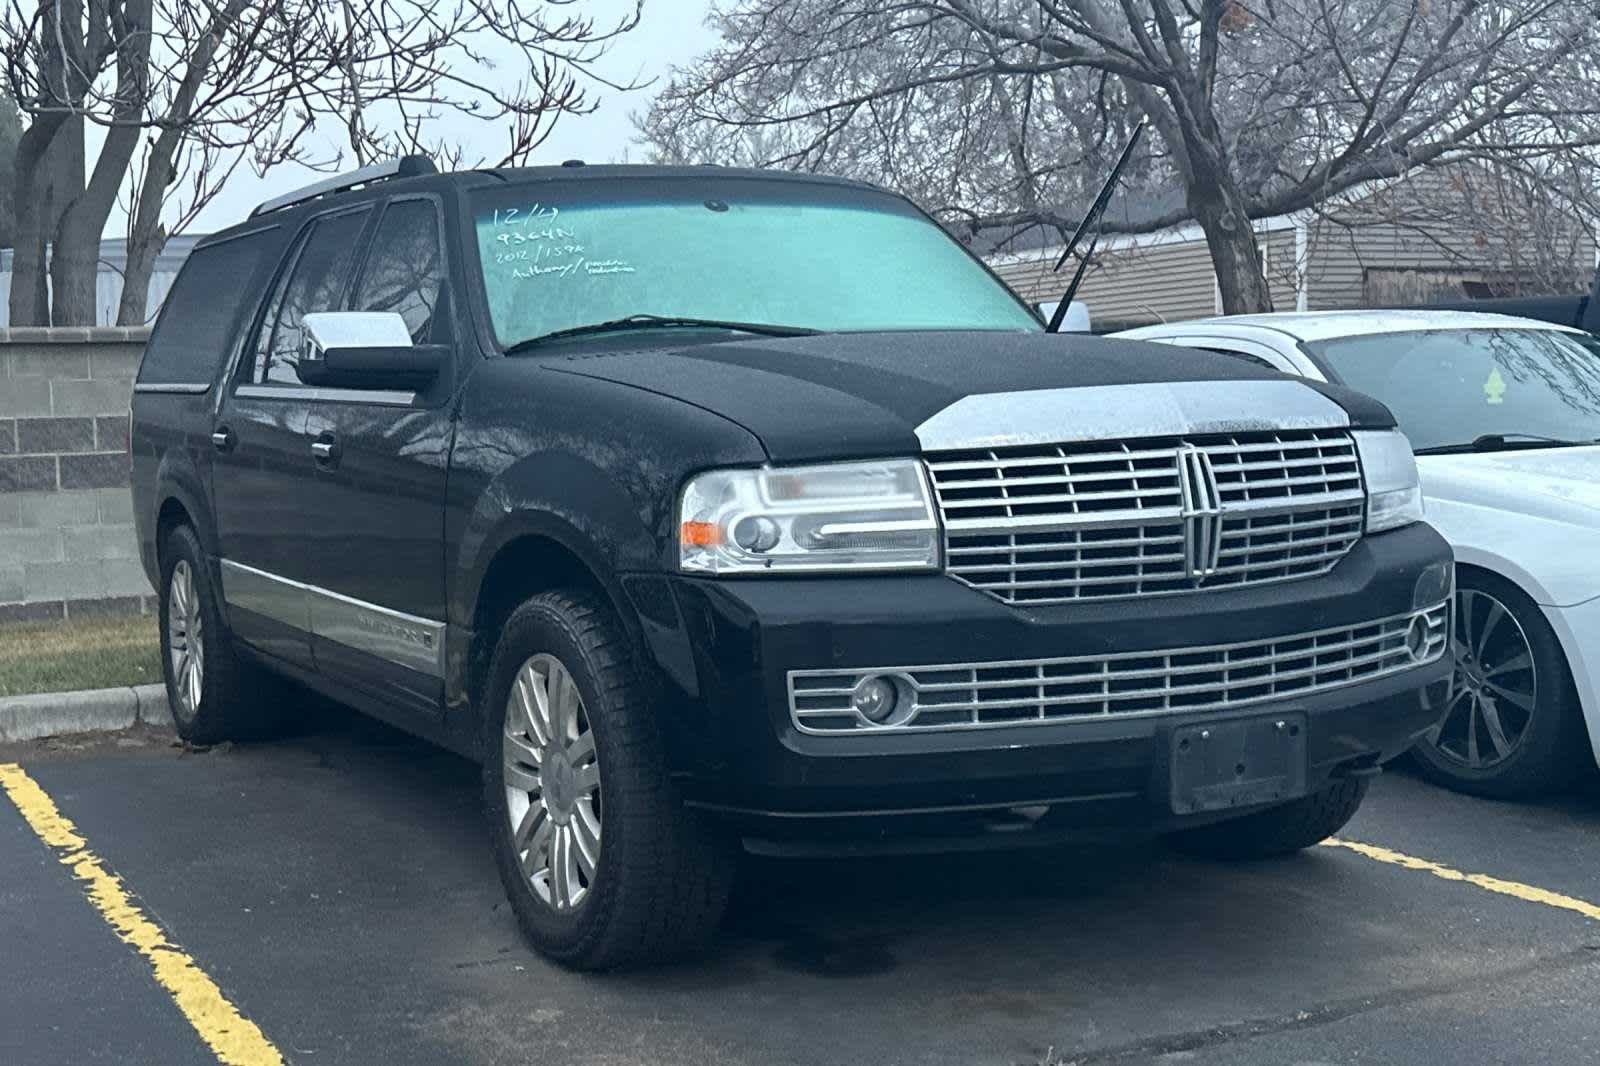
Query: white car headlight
point(1394, 492)
point(842, 516)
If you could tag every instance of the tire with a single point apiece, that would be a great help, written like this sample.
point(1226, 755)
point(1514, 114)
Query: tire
point(1534, 709)
point(1281, 830)
point(645, 879)
point(223, 698)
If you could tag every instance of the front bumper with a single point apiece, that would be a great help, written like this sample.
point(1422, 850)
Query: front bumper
point(728, 647)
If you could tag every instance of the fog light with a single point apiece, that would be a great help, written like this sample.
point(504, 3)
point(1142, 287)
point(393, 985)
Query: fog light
point(875, 699)
point(1434, 585)
point(757, 533)
point(1417, 638)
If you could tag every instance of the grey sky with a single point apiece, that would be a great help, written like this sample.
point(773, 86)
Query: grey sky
point(672, 32)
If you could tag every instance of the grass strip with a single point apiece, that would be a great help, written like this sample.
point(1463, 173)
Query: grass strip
point(67, 656)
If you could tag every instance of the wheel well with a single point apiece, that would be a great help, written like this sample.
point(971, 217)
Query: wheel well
point(520, 570)
point(1475, 570)
point(172, 515)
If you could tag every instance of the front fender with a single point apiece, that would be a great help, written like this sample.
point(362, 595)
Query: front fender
point(592, 465)
point(563, 499)
point(1550, 560)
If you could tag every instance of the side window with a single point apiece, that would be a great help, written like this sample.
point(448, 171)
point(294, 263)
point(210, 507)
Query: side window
point(195, 331)
point(316, 283)
point(404, 272)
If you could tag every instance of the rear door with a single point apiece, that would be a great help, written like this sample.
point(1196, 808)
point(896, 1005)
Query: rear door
point(193, 344)
point(262, 466)
point(377, 558)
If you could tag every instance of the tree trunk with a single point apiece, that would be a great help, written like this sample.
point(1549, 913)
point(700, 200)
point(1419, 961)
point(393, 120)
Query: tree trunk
point(1213, 192)
point(143, 248)
point(28, 303)
point(146, 235)
point(75, 259)
point(75, 266)
point(1235, 255)
point(48, 172)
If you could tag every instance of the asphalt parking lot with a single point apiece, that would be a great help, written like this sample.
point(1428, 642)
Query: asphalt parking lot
point(335, 890)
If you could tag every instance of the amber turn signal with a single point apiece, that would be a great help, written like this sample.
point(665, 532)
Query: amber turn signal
point(701, 534)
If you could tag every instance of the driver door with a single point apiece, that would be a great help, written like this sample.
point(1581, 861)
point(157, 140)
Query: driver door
point(376, 555)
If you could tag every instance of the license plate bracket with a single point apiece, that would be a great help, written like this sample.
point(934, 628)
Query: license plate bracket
point(1220, 765)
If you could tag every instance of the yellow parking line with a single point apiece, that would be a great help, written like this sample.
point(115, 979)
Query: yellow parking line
point(231, 1036)
point(1515, 889)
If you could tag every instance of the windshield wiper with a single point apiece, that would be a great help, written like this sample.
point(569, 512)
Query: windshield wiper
point(660, 322)
point(1495, 442)
point(1091, 218)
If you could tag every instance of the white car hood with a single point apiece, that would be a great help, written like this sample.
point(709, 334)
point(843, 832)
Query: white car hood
point(1532, 516)
point(1561, 484)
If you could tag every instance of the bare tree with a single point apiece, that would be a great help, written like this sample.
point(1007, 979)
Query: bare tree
point(10, 133)
point(188, 90)
point(1000, 111)
point(48, 167)
point(406, 68)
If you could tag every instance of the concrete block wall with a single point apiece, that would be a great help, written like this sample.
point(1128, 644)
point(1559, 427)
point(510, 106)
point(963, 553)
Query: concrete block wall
point(66, 523)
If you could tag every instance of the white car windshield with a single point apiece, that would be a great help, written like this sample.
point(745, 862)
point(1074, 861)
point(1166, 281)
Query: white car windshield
point(1477, 389)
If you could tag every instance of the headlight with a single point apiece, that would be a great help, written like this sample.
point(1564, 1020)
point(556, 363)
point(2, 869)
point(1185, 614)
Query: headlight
point(1394, 493)
point(842, 516)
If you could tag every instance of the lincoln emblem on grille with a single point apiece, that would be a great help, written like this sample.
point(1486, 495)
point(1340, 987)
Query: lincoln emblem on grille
point(1202, 513)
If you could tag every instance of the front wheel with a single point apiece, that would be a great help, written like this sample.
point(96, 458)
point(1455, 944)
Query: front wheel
point(1281, 830)
point(1510, 727)
point(603, 865)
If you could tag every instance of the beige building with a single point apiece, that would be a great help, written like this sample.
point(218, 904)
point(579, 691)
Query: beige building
point(1384, 248)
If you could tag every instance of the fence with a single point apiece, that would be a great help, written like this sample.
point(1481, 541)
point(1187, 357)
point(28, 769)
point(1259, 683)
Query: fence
point(66, 522)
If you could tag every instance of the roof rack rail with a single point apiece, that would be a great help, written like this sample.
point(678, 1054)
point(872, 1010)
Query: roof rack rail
point(406, 166)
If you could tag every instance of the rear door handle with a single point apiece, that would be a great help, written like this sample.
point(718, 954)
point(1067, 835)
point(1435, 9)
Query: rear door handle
point(326, 449)
point(222, 439)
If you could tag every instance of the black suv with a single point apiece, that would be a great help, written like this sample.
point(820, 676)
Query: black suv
point(711, 508)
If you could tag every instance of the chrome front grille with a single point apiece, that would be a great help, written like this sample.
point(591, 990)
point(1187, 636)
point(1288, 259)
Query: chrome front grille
point(1176, 680)
point(1057, 523)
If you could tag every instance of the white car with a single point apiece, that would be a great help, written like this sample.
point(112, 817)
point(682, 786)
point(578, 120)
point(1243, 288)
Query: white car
point(1504, 414)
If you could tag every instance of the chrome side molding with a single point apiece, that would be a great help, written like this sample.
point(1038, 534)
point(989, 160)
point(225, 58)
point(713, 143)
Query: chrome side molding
point(400, 638)
point(180, 388)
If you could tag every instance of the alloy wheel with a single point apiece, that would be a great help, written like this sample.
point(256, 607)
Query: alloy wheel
point(552, 782)
point(1495, 689)
point(185, 638)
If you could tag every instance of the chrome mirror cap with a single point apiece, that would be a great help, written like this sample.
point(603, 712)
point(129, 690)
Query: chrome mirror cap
point(322, 330)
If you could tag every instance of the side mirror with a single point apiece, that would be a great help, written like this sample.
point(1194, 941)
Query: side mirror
point(1077, 320)
point(364, 350)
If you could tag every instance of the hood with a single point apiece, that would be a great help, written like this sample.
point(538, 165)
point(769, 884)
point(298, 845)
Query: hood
point(1560, 484)
point(864, 395)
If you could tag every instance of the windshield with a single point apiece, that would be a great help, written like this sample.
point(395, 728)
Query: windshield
point(1450, 387)
point(557, 255)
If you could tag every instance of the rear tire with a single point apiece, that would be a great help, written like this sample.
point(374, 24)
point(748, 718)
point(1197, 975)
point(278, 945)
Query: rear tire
point(1278, 831)
point(213, 695)
point(602, 863)
point(1511, 674)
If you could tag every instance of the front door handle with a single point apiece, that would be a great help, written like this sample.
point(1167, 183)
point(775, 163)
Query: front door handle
point(222, 439)
point(326, 449)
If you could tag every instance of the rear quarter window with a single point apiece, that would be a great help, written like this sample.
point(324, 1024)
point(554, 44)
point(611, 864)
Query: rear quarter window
point(197, 326)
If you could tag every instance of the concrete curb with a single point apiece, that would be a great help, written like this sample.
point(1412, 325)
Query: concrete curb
point(103, 710)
